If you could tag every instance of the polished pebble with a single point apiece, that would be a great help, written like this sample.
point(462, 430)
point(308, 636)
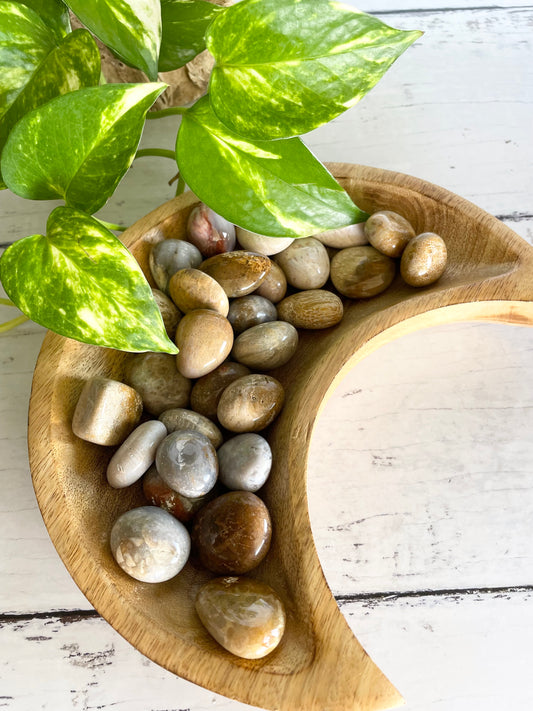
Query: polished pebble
point(424, 259)
point(361, 272)
point(159, 493)
point(156, 378)
point(107, 411)
point(187, 462)
point(245, 462)
point(388, 232)
point(239, 273)
point(266, 346)
point(136, 454)
point(250, 403)
point(182, 419)
point(311, 309)
point(206, 392)
point(192, 289)
point(305, 263)
point(232, 533)
point(251, 310)
point(204, 339)
point(210, 232)
point(149, 544)
point(169, 256)
point(349, 236)
point(274, 285)
point(260, 243)
point(169, 313)
point(243, 615)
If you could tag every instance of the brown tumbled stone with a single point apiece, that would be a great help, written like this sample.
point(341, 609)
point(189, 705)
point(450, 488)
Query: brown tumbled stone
point(361, 272)
point(205, 339)
point(250, 403)
point(182, 419)
point(311, 309)
point(305, 263)
point(207, 390)
point(192, 289)
point(232, 533)
point(159, 493)
point(244, 616)
point(266, 346)
point(251, 310)
point(349, 236)
point(239, 273)
point(274, 285)
point(169, 313)
point(388, 232)
point(157, 380)
point(424, 259)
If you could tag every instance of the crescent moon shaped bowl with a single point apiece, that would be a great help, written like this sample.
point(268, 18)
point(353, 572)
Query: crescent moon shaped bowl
point(319, 664)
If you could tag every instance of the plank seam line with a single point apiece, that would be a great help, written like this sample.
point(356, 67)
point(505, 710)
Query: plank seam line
point(440, 10)
point(464, 592)
point(65, 616)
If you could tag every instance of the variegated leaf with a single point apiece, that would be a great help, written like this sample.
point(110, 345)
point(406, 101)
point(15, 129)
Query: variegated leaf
point(54, 13)
point(184, 23)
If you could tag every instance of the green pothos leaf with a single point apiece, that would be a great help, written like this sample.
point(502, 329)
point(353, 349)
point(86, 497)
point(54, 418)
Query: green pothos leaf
point(275, 188)
point(54, 13)
point(284, 67)
point(80, 281)
point(78, 146)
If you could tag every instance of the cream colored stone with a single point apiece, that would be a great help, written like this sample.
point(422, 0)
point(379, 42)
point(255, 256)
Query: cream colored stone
point(261, 243)
point(305, 263)
point(181, 419)
point(349, 236)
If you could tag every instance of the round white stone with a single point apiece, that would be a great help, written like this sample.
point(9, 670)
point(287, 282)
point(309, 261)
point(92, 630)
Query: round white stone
point(349, 236)
point(260, 243)
point(136, 454)
point(245, 462)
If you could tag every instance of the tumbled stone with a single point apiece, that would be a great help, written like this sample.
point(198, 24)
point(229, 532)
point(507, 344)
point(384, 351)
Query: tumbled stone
point(232, 533)
point(424, 259)
point(244, 616)
point(388, 232)
point(361, 272)
point(149, 544)
point(169, 256)
point(192, 289)
point(159, 493)
point(206, 391)
point(244, 462)
point(305, 263)
point(210, 232)
point(187, 462)
point(169, 313)
point(251, 310)
point(259, 243)
point(204, 339)
point(311, 309)
point(107, 411)
point(266, 346)
point(182, 419)
point(250, 403)
point(274, 285)
point(156, 378)
point(349, 236)
point(239, 273)
point(136, 454)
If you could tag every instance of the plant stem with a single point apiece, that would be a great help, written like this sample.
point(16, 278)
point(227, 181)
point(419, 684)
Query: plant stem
point(171, 111)
point(6, 302)
point(160, 152)
point(111, 225)
point(180, 188)
point(8, 325)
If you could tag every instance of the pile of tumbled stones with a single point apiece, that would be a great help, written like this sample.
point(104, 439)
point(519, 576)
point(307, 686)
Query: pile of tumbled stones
point(219, 302)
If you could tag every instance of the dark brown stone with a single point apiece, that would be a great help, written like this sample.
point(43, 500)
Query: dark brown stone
point(206, 392)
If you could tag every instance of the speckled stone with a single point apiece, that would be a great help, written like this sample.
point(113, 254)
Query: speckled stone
point(156, 378)
point(274, 285)
point(192, 289)
point(169, 256)
point(232, 533)
point(107, 411)
point(169, 313)
point(182, 419)
point(266, 346)
point(136, 454)
point(388, 232)
point(149, 544)
point(361, 272)
point(245, 462)
point(250, 403)
point(349, 236)
point(243, 615)
point(305, 263)
point(311, 309)
point(205, 339)
point(424, 259)
point(187, 462)
point(210, 232)
point(251, 310)
point(239, 273)
point(259, 243)
point(206, 391)
point(159, 493)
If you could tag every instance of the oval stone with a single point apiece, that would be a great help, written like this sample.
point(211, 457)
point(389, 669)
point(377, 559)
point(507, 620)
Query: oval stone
point(251, 310)
point(159, 493)
point(266, 346)
point(187, 462)
point(424, 259)
point(259, 243)
point(361, 272)
point(156, 378)
point(136, 454)
point(182, 419)
point(169, 313)
point(274, 285)
point(232, 533)
point(388, 232)
point(149, 544)
point(305, 263)
point(349, 236)
point(245, 462)
point(192, 289)
point(206, 391)
point(311, 309)
point(205, 339)
point(250, 403)
point(210, 232)
point(239, 273)
point(243, 615)
point(169, 256)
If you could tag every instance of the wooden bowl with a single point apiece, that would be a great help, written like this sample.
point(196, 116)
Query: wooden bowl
point(319, 663)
